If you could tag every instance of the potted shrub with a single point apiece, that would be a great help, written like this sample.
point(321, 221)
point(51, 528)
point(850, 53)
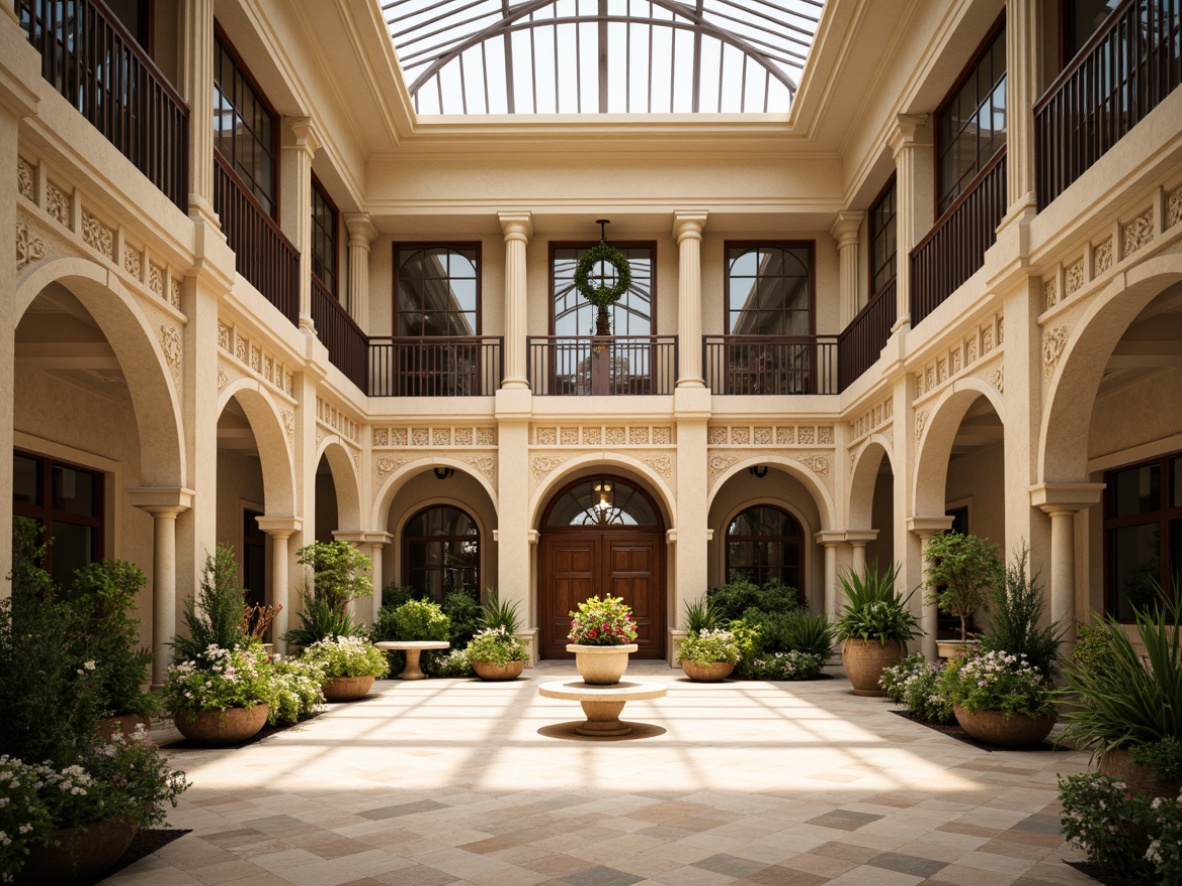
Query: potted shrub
point(914, 683)
point(601, 635)
point(708, 656)
point(214, 615)
point(339, 576)
point(495, 654)
point(348, 665)
point(221, 696)
point(1016, 605)
point(1000, 698)
point(960, 571)
point(409, 629)
point(875, 625)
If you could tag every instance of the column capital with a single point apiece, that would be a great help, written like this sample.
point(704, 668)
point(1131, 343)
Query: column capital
point(1053, 498)
point(906, 133)
point(161, 500)
point(280, 527)
point(361, 228)
point(861, 537)
point(305, 135)
point(846, 226)
point(516, 225)
point(926, 527)
point(689, 223)
point(829, 537)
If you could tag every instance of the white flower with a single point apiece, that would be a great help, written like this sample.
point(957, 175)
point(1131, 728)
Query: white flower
point(89, 665)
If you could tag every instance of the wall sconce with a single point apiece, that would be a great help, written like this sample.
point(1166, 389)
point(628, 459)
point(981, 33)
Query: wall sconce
point(603, 492)
point(443, 473)
point(759, 471)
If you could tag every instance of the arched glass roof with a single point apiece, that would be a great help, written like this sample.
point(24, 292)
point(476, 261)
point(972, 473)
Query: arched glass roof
point(602, 56)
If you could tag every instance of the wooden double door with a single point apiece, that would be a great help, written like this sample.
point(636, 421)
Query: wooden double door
point(579, 563)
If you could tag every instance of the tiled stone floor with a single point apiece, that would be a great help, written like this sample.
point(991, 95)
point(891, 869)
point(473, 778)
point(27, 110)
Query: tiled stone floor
point(450, 781)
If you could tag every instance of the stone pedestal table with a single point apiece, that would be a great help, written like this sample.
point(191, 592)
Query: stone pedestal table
point(412, 648)
point(602, 704)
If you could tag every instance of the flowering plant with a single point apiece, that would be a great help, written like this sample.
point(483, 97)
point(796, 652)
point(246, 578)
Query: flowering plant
point(219, 679)
point(915, 684)
point(997, 681)
point(496, 646)
point(707, 647)
point(347, 657)
point(297, 690)
point(606, 622)
point(791, 665)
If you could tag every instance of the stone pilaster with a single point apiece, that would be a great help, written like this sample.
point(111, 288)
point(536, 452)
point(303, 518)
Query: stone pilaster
point(911, 145)
point(845, 232)
point(196, 51)
point(362, 233)
point(301, 142)
point(517, 228)
point(687, 229)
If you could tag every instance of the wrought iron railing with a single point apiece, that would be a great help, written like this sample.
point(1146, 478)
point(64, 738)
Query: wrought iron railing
point(100, 69)
point(770, 364)
point(954, 249)
point(348, 345)
point(860, 343)
point(461, 366)
point(1123, 72)
point(602, 365)
point(262, 254)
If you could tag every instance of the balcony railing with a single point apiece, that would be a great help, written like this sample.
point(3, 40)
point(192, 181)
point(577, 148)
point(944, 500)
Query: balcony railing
point(348, 346)
point(1128, 67)
point(261, 253)
point(99, 68)
point(863, 339)
point(463, 366)
point(954, 249)
point(623, 365)
point(770, 364)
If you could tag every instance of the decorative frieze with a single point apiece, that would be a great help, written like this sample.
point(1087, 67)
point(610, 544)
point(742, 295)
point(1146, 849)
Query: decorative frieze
point(1103, 256)
point(921, 420)
point(576, 436)
point(816, 462)
point(170, 344)
point(29, 248)
point(289, 425)
point(769, 435)
point(437, 437)
point(59, 205)
point(997, 378)
point(337, 420)
point(156, 279)
point(1050, 293)
point(544, 464)
point(874, 417)
point(1073, 277)
point(1137, 233)
point(174, 291)
point(26, 179)
point(254, 358)
point(662, 464)
point(1174, 208)
point(945, 366)
point(98, 236)
point(133, 262)
point(1054, 341)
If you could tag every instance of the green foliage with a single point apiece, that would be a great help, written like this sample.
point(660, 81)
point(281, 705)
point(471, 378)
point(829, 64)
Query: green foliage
point(297, 690)
point(320, 620)
point(602, 622)
point(452, 664)
point(466, 614)
point(1015, 607)
point(1092, 651)
point(218, 679)
point(346, 657)
point(709, 646)
point(1163, 757)
point(960, 571)
point(797, 630)
point(418, 620)
point(497, 613)
point(214, 616)
point(700, 616)
point(997, 681)
point(792, 665)
point(735, 598)
point(749, 639)
point(1125, 702)
point(873, 610)
point(914, 683)
point(496, 646)
point(339, 572)
point(394, 595)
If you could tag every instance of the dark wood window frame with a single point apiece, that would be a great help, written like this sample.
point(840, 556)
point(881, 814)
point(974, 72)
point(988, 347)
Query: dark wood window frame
point(874, 231)
point(330, 235)
point(47, 515)
point(475, 245)
point(1065, 36)
point(800, 539)
point(966, 182)
point(650, 245)
point(242, 71)
point(408, 539)
point(809, 245)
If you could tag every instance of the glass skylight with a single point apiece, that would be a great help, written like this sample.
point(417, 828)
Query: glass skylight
point(602, 56)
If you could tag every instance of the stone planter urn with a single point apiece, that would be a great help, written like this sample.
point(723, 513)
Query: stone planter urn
point(994, 727)
point(950, 649)
point(125, 724)
point(1138, 779)
point(346, 688)
point(488, 670)
point(82, 856)
point(601, 665)
point(714, 672)
point(865, 660)
point(222, 727)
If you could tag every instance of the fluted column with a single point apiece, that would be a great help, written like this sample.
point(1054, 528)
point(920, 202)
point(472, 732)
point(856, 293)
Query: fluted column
point(163, 503)
point(830, 539)
point(1061, 502)
point(196, 51)
point(911, 145)
point(301, 142)
point(377, 545)
point(858, 541)
point(1024, 84)
point(687, 229)
point(925, 528)
point(280, 529)
point(517, 228)
point(362, 233)
point(845, 231)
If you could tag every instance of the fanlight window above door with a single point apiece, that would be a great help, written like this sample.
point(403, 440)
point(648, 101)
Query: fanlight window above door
point(602, 502)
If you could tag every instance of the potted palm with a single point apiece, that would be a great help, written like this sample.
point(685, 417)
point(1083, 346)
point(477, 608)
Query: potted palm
point(960, 570)
point(495, 653)
point(601, 635)
point(339, 576)
point(875, 625)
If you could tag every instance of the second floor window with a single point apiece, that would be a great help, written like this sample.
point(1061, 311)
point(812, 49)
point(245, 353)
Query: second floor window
point(1081, 19)
point(633, 314)
point(324, 239)
point(883, 250)
point(437, 290)
point(244, 128)
point(769, 289)
point(971, 125)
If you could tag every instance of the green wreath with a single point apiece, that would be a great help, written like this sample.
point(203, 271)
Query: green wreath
point(602, 296)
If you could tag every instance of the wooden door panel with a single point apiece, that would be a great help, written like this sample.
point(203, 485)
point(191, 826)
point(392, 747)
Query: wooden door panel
point(572, 576)
point(632, 572)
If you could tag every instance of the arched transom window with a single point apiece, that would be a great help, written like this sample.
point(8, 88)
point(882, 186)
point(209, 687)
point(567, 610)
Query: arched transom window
point(765, 543)
point(442, 552)
point(602, 501)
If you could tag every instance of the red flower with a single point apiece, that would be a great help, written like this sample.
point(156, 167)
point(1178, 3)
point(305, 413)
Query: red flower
point(591, 634)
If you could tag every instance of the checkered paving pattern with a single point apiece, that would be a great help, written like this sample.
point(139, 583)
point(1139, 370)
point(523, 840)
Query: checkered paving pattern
point(444, 782)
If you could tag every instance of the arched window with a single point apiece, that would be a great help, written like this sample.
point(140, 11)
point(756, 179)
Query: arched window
point(602, 501)
point(437, 289)
point(765, 543)
point(442, 551)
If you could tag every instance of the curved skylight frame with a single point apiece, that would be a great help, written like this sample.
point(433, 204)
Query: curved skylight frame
point(602, 56)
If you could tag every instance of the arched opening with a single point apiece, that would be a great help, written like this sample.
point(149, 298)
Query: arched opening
point(441, 552)
point(242, 501)
point(872, 504)
point(601, 534)
point(765, 543)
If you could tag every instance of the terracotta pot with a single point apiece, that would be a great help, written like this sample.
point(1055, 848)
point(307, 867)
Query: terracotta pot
point(994, 727)
point(714, 672)
point(1140, 779)
point(865, 660)
point(83, 855)
point(950, 649)
point(122, 725)
point(601, 665)
point(223, 727)
point(488, 670)
point(346, 688)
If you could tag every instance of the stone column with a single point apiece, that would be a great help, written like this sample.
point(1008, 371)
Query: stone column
point(514, 535)
point(300, 143)
point(196, 51)
point(1061, 502)
point(830, 539)
point(377, 544)
point(915, 181)
point(280, 529)
point(362, 233)
point(845, 231)
point(517, 228)
point(691, 516)
point(687, 229)
point(1025, 81)
point(925, 528)
point(858, 539)
point(163, 503)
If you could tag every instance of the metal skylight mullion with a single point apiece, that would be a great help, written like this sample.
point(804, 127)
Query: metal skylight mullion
point(787, 37)
point(651, 31)
point(533, 67)
point(762, 15)
point(441, 17)
point(743, 86)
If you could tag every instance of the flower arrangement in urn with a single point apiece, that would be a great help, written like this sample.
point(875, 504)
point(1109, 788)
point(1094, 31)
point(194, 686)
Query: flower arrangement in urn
point(601, 635)
point(1000, 698)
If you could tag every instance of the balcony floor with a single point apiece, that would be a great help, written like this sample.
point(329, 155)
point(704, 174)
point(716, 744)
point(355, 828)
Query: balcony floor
point(457, 781)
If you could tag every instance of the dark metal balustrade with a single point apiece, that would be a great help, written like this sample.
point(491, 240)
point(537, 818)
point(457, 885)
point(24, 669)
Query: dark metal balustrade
point(461, 366)
point(348, 345)
point(625, 365)
point(860, 343)
point(770, 364)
